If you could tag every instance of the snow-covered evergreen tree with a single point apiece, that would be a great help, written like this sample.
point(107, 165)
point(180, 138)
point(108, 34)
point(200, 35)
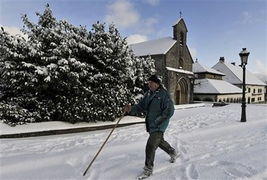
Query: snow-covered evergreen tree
point(63, 72)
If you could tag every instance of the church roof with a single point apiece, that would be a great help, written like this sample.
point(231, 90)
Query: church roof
point(181, 20)
point(179, 70)
point(153, 47)
point(198, 68)
point(213, 86)
point(234, 74)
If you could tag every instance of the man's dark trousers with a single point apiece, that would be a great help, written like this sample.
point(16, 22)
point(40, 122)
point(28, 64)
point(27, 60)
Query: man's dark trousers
point(154, 141)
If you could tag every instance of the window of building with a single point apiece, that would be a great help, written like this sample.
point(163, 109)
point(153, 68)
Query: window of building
point(254, 90)
point(181, 63)
point(181, 39)
point(208, 99)
point(249, 90)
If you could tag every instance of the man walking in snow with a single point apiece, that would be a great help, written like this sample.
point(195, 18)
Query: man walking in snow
point(158, 107)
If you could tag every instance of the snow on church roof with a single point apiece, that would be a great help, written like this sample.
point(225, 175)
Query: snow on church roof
point(198, 68)
point(179, 70)
point(234, 74)
point(213, 86)
point(153, 47)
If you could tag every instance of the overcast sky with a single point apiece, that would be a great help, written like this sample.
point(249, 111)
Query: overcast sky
point(215, 27)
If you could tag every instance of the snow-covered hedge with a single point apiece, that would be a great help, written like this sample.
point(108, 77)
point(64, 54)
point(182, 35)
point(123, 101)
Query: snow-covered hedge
point(63, 72)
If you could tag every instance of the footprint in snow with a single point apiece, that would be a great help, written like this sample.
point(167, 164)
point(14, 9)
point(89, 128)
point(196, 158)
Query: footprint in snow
point(236, 170)
point(191, 172)
point(205, 156)
point(182, 149)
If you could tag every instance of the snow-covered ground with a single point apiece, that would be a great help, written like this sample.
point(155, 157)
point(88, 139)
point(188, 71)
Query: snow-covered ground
point(213, 143)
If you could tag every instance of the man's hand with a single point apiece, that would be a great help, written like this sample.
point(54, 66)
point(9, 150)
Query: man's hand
point(127, 108)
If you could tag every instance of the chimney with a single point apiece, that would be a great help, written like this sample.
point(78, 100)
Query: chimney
point(221, 59)
point(233, 63)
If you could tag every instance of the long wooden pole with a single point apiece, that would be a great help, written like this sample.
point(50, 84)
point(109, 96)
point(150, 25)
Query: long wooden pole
point(102, 146)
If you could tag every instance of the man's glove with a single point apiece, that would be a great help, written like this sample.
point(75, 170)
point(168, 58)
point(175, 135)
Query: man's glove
point(127, 109)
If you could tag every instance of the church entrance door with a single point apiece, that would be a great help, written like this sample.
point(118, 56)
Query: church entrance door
point(181, 92)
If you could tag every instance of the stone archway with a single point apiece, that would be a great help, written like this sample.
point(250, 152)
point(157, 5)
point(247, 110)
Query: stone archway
point(181, 91)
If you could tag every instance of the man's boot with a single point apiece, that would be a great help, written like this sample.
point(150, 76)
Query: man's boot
point(146, 173)
point(174, 156)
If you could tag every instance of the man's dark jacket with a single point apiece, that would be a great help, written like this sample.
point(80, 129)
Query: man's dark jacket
point(158, 108)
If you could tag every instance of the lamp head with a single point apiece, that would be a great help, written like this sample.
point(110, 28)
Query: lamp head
point(244, 56)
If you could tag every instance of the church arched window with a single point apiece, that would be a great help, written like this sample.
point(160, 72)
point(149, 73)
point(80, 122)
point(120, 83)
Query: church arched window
point(181, 63)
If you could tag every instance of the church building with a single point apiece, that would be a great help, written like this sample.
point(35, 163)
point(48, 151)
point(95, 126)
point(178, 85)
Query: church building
point(173, 62)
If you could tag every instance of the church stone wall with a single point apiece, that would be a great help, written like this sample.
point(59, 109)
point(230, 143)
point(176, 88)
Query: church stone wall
point(172, 57)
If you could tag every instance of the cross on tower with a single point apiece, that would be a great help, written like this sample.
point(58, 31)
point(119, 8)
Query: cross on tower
point(180, 14)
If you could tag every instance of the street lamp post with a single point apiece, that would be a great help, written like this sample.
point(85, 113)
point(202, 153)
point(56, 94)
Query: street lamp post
point(244, 59)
